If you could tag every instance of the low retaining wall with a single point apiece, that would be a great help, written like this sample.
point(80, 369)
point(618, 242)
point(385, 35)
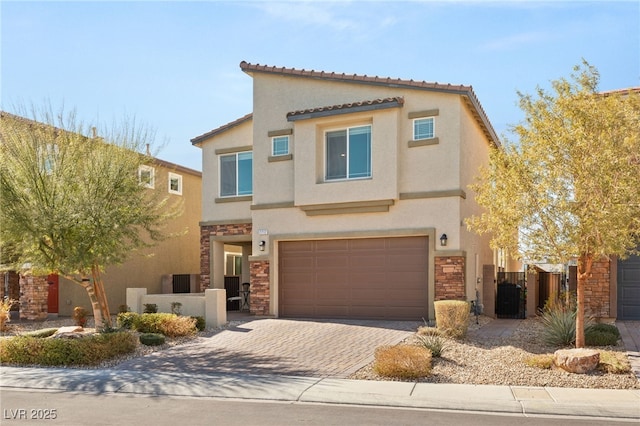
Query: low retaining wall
point(211, 305)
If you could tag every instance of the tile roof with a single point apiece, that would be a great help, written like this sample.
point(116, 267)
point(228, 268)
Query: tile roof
point(346, 108)
point(465, 91)
point(198, 139)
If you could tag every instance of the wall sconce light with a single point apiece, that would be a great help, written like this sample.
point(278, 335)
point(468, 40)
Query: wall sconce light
point(262, 244)
point(443, 240)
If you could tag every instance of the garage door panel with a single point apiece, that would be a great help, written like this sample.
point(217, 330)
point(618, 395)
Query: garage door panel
point(629, 289)
point(356, 278)
point(372, 262)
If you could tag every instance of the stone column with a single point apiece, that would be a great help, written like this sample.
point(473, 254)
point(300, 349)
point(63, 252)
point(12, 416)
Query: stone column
point(34, 292)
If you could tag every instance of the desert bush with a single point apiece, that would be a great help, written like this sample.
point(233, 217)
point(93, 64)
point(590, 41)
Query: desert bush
point(614, 363)
point(150, 308)
point(429, 331)
point(201, 324)
point(90, 350)
point(452, 317)
point(126, 319)
point(559, 327)
point(80, 315)
point(152, 339)
point(176, 308)
point(5, 312)
point(435, 343)
point(170, 325)
point(123, 308)
point(402, 361)
point(543, 361)
point(42, 333)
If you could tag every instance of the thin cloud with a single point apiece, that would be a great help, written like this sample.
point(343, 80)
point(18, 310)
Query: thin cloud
point(309, 14)
point(515, 41)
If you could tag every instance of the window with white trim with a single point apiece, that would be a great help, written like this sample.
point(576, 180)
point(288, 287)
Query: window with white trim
point(146, 176)
point(236, 174)
point(175, 184)
point(348, 153)
point(423, 128)
point(280, 145)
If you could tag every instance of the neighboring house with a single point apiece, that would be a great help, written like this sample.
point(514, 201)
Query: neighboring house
point(345, 196)
point(170, 266)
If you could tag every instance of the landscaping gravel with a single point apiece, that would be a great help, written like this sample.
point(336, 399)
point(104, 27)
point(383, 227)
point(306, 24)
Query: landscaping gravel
point(500, 361)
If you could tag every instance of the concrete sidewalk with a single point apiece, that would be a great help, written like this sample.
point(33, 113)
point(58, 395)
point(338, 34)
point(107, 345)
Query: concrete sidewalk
point(515, 400)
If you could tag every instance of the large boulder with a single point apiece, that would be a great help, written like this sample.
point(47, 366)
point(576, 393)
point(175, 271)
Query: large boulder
point(69, 332)
point(578, 360)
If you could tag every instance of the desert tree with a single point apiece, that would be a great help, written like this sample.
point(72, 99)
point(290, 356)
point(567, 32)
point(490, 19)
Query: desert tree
point(569, 186)
point(72, 202)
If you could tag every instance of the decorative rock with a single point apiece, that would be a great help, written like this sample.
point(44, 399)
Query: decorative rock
point(578, 360)
point(69, 332)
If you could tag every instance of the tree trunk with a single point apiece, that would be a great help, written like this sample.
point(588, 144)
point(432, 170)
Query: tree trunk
point(584, 272)
point(95, 304)
point(101, 296)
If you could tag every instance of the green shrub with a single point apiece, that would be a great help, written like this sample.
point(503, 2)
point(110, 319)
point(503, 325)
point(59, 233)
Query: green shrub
point(599, 338)
point(436, 344)
point(402, 361)
point(152, 339)
point(168, 324)
point(126, 319)
point(150, 308)
point(123, 308)
point(44, 332)
point(452, 317)
point(605, 328)
point(85, 351)
point(200, 323)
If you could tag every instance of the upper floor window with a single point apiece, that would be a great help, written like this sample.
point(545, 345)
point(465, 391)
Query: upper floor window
point(175, 184)
point(280, 145)
point(423, 128)
point(348, 153)
point(146, 176)
point(236, 174)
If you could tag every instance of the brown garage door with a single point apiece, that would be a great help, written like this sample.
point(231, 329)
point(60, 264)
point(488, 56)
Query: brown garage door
point(354, 278)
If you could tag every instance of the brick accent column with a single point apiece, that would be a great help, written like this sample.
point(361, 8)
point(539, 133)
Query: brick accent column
point(260, 294)
point(450, 283)
point(206, 232)
point(34, 292)
point(596, 291)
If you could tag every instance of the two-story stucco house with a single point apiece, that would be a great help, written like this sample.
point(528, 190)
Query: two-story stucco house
point(345, 195)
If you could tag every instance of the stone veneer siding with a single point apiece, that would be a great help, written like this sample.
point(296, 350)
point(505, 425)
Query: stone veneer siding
point(449, 276)
point(206, 232)
point(260, 295)
point(596, 290)
point(34, 292)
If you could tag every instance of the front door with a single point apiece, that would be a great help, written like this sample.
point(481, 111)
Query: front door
point(52, 298)
point(629, 288)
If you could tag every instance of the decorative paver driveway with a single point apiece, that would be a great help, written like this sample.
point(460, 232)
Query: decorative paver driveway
point(312, 348)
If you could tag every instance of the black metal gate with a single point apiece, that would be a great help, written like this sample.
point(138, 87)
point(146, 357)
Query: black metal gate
point(232, 286)
point(511, 297)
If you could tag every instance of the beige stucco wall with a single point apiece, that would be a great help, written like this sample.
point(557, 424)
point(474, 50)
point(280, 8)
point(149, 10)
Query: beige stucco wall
point(236, 138)
point(176, 255)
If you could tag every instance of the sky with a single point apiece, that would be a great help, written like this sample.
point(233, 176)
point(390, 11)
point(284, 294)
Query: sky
point(174, 65)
